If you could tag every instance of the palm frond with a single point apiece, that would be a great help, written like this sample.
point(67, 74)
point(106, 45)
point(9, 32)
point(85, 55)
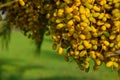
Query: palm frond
point(5, 33)
point(38, 43)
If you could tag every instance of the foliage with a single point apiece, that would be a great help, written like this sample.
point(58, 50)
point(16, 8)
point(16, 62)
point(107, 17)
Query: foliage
point(5, 33)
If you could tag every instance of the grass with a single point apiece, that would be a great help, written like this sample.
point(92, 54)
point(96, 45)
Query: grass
point(21, 63)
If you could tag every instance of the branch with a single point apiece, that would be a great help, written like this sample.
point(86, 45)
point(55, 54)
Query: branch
point(116, 53)
point(8, 4)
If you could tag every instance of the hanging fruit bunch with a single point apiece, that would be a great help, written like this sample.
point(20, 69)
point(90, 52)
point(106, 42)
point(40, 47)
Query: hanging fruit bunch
point(87, 29)
point(28, 16)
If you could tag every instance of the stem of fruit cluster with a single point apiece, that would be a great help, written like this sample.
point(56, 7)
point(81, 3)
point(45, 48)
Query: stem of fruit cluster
point(116, 53)
point(8, 4)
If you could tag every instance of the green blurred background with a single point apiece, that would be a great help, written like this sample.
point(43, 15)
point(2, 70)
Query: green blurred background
point(20, 62)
